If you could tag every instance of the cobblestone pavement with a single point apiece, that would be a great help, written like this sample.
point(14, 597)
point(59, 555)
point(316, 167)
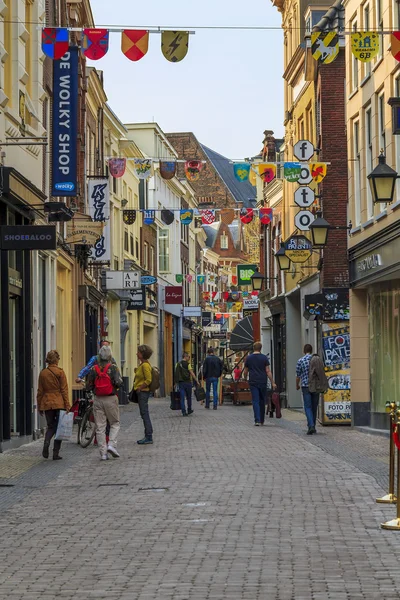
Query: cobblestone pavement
point(215, 509)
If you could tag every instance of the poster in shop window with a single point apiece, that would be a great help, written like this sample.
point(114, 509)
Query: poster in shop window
point(336, 402)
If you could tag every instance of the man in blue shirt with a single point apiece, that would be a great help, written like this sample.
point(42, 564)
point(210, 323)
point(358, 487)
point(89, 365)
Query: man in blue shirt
point(310, 400)
point(258, 370)
point(93, 361)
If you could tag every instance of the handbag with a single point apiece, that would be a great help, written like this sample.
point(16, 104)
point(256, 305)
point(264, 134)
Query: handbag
point(276, 402)
point(175, 400)
point(133, 397)
point(65, 425)
point(200, 394)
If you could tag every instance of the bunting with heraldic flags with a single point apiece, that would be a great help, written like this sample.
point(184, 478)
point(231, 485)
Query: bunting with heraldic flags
point(324, 46)
point(149, 217)
point(129, 216)
point(241, 171)
point(201, 279)
point(55, 42)
point(395, 44)
point(246, 215)
point(192, 169)
point(95, 43)
point(174, 45)
point(179, 278)
point(167, 217)
point(267, 172)
point(117, 166)
point(265, 215)
point(167, 169)
point(142, 167)
point(186, 216)
point(134, 43)
point(364, 45)
point(207, 217)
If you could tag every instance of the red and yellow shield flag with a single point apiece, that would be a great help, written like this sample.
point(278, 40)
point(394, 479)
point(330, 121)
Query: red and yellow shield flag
point(95, 43)
point(318, 171)
point(135, 43)
point(267, 172)
point(192, 169)
point(395, 44)
point(246, 215)
point(174, 45)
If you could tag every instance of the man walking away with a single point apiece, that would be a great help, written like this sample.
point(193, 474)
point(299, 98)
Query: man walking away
point(104, 380)
point(212, 371)
point(257, 369)
point(310, 399)
point(183, 376)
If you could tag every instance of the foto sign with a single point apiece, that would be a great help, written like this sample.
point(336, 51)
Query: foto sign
point(304, 197)
point(298, 248)
point(303, 220)
point(65, 124)
point(244, 273)
point(303, 150)
point(28, 237)
point(123, 280)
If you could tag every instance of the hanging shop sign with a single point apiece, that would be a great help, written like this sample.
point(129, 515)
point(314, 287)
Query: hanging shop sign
point(336, 401)
point(303, 220)
point(148, 280)
point(303, 150)
point(214, 328)
point(244, 273)
point(173, 294)
point(28, 237)
point(192, 311)
point(101, 251)
point(206, 318)
point(298, 248)
point(65, 124)
point(305, 175)
point(99, 199)
point(304, 196)
point(122, 280)
point(84, 231)
point(251, 303)
point(137, 299)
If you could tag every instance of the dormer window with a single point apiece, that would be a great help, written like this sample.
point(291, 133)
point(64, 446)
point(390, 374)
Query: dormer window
point(224, 242)
point(313, 17)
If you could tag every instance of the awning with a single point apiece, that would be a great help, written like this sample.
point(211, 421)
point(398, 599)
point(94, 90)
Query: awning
point(242, 337)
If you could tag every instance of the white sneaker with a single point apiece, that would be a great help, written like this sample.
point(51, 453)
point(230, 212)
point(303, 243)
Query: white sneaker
point(113, 451)
point(104, 457)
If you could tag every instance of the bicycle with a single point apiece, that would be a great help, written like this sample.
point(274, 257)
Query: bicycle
point(86, 427)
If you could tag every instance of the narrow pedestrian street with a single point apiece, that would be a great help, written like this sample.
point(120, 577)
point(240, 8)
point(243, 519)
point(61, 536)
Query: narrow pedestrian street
point(215, 509)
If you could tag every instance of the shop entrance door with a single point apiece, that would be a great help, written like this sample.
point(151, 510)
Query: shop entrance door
point(14, 364)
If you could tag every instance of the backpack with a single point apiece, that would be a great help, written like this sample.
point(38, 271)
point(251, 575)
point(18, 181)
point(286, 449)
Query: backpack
point(102, 384)
point(155, 379)
point(318, 381)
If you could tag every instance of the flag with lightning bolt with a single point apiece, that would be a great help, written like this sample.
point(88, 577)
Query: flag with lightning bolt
point(174, 45)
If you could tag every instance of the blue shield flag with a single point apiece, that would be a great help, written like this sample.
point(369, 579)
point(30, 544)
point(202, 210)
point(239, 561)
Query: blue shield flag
point(241, 171)
point(186, 216)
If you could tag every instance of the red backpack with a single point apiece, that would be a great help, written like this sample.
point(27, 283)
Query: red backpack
point(103, 385)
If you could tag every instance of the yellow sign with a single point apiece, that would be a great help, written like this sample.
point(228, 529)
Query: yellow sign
point(365, 45)
point(336, 355)
point(325, 46)
point(318, 171)
point(82, 230)
point(298, 256)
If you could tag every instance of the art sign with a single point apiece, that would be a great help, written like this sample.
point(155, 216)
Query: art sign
point(65, 125)
point(336, 355)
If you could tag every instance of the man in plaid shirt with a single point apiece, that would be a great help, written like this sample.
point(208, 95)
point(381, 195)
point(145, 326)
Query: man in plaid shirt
point(310, 400)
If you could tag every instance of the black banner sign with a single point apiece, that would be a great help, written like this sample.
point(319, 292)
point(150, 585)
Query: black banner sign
point(137, 299)
point(28, 237)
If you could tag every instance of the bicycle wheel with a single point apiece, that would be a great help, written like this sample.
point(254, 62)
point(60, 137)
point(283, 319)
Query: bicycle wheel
point(87, 429)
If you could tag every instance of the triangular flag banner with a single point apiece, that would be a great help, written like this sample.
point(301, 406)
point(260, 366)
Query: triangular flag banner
point(95, 43)
point(207, 217)
point(364, 45)
point(395, 44)
point(149, 216)
point(325, 46)
point(253, 177)
point(318, 171)
point(241, 171)
point(213, 295)
point(246, 215)
point(117, 166)
point(267, 172)
point(186, 216)
point(229, 305)
point(129, 216)
point(201, 279)
point(245, 294)
point(255, 293)
point(167, 169)
point(225, 295)
point(206, 296)
point(192, 169)
point(216, 297)
point(174, 45)
point(179, 278)
point(135, 43)
point(55, 42)
point(142, 167)
point(189, 278)
point(238, 306)
point(265, 215)
point(167, 217)
point(235, 295)
point(292, 171)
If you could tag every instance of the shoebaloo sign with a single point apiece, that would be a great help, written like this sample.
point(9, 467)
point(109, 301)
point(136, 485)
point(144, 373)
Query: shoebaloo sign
point(65, 124)
point(28, 237)
point(99, 210)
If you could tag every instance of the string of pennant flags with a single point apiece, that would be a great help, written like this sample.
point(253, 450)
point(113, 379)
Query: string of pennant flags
point(207, 216)
point(134, 43)
point(144, 168)
point(365, 45)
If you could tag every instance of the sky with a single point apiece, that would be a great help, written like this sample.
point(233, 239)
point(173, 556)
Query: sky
point(227, 91)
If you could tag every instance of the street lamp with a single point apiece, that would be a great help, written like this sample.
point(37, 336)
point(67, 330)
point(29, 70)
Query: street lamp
point(382, 181)
point(319, 231)
point(283, 260)
point(257, 281)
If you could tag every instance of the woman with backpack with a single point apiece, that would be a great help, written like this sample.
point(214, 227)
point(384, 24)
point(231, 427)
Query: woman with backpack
point(52, 396)
point(142, 385)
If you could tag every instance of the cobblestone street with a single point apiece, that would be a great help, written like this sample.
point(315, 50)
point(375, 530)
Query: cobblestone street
point(215, 509)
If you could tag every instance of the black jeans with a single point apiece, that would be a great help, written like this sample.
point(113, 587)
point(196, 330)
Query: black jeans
point(52, 417)
point(143, 398)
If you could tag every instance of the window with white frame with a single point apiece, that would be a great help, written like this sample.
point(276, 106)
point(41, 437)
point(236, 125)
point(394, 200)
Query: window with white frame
point(379, 23)
point(224, 242)
point(367, 65)
point(381, 123)
point(357, 173)
point(396, 15)
point(354, 64)
point(368, 158)
point(163, 240)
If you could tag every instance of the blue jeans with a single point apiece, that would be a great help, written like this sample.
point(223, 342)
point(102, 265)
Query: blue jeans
point(214, 382)
point(311, 401)
point(143, 401)
point(185, 389)
point(259, 400)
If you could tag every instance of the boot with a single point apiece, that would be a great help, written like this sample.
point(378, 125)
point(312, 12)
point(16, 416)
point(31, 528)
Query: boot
point(56, 453)
point(45, 452)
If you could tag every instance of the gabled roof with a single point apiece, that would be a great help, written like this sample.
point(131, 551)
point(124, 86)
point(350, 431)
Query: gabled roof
point(334, 18)
point(241, 191)
point(211, 233)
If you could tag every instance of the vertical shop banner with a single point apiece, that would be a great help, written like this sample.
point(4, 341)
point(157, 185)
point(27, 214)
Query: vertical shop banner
point(65, 124)
point(336, 355)
point(99, 210)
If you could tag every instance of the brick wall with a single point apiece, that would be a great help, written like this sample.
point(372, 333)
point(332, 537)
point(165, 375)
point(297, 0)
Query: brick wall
point(333, 143)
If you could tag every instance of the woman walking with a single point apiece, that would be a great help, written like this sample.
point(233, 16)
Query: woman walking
point(142, 381)
point(52, 396)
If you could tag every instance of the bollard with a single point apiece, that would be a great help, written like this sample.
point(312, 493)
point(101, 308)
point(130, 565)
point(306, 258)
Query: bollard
point(390, 498)
point(394, 524)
